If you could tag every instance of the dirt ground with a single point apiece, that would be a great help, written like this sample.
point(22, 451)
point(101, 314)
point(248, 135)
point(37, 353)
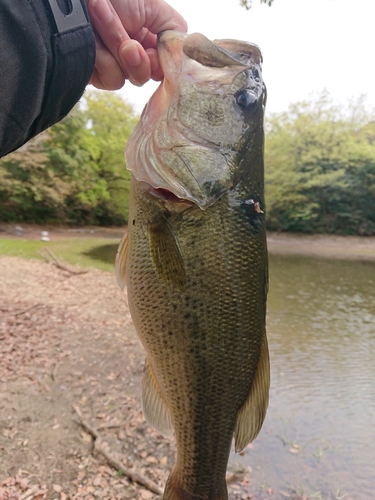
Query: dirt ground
point(70, 370)
point(67, 342)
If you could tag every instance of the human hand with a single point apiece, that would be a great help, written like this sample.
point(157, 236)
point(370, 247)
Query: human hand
point(126, 35)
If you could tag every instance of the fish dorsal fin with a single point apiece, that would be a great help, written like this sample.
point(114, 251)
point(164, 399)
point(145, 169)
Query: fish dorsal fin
point(121, 259)
point(252, 414)
point(166, 253)
point(154, 407)
point(202, 50)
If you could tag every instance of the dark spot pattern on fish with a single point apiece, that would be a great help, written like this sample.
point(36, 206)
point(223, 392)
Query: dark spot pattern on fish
point(203, 257)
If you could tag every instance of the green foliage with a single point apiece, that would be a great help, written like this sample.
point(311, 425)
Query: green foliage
point(320, 168)
point(75, 172)
point(111, 124)
point(29, 190)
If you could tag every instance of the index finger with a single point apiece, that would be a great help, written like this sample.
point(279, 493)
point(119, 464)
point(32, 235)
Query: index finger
point(155, 16)
point(129, 54)
point(107, 24)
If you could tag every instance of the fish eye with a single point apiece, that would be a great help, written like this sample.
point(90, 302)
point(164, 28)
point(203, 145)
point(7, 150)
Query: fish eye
point(247, 100)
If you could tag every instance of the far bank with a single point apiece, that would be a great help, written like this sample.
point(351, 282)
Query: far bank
point(322, 245)
point(314, 245)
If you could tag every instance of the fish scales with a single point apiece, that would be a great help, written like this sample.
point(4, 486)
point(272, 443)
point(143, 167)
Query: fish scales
point(196, 272)
point(202, 339)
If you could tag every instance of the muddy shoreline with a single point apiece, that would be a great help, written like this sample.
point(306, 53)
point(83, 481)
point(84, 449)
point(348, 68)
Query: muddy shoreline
point(311, 245)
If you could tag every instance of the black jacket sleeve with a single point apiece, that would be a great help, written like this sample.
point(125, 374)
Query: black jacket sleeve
point(47, 55)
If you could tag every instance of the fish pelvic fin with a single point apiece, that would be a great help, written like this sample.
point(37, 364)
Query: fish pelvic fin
point(154, 407)
point(174, 491)
point(121, 259)
point(166, 253)
point(252, 414)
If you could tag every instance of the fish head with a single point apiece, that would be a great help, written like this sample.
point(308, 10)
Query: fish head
point(199, 126)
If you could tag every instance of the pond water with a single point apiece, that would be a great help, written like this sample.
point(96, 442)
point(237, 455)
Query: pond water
point(318, 439)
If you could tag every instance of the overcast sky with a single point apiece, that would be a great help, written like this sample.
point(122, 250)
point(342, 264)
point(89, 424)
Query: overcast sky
point(307, 45)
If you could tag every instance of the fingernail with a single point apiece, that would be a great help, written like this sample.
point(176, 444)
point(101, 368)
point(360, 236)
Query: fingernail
point(131, 55)
point(102, 10)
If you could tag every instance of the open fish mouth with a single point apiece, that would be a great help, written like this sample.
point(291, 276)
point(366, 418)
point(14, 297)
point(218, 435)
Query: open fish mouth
point(165, 195)
point(183, 144)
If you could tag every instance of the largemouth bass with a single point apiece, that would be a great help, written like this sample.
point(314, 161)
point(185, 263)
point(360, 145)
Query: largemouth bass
point(195, 257)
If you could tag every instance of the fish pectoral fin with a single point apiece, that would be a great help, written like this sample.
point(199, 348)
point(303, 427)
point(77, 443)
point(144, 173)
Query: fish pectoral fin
point(154, 407)
point(252, 414)
point(121, 259)
point(166, 253)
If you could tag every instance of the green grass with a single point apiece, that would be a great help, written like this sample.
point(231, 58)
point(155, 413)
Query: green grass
point(82, 252)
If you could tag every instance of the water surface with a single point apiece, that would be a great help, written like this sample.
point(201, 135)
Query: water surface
point(318, 439)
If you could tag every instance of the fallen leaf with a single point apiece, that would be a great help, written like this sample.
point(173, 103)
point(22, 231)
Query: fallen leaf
point(86, 437)
point(23, 483)
point(97, 480)
point(121, 435)
point(145, 494)
point(8, 481)
point(10, 432)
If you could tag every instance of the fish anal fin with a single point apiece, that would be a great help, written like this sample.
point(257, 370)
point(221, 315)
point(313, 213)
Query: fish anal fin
point(252, 414)
point(166, 253)
point(121, 259)
point(154, 407)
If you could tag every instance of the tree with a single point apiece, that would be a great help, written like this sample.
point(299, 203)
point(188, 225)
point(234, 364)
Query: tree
point(27, 187)
point(110, 122)
point(320, 169)
point(70, 157)
point(75, 171)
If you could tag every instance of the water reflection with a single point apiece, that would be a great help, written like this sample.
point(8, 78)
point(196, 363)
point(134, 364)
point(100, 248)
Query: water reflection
point(319, 433)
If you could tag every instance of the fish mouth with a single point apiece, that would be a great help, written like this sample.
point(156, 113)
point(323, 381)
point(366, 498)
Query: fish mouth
point(165, 195)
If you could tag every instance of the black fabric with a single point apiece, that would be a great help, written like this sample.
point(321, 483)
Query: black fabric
point(42, 73)
point(64, 6)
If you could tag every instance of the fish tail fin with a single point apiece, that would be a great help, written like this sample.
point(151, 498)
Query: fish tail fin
point(174, 491)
